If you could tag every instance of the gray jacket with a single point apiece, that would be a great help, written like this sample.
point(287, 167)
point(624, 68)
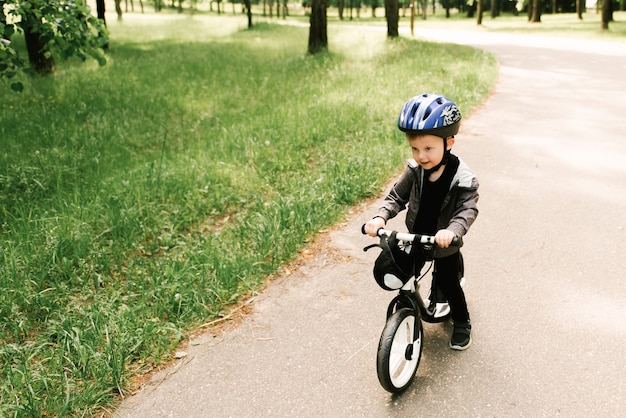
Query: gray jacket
point(458, 211)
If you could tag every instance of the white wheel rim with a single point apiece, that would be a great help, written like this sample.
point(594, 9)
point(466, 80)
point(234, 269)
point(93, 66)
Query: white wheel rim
point(402, 370)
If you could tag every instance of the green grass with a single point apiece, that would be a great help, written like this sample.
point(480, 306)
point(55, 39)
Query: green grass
point(141, 199)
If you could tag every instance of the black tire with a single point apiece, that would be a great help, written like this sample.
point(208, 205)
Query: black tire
point(398, 355)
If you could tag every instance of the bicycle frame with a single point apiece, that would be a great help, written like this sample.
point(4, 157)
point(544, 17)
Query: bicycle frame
point(409, 296)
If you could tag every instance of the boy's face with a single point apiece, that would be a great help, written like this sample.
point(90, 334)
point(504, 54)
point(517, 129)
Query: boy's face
point(428, 149)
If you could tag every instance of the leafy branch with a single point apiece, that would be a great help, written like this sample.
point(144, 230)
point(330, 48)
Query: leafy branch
point(53, 29)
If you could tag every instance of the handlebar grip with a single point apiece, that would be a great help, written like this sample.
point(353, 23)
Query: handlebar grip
point(363, 229)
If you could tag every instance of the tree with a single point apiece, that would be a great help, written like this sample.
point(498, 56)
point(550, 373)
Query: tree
point(535, 15)
point(285, 9)
point(471, 9)
point(37, 42)
point(118, 9)
point(101, 12)
point(446, 4)
point(3, 18)
point(479, 12)
point(318, 37)
point(607, 13)
point(392, 14)
point(580, 5)
point(53, 29)
point(495, 8)
point(248, 7)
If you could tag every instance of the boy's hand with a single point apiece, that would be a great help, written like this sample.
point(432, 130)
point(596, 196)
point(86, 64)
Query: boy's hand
point(444, 238)
point(373, 225)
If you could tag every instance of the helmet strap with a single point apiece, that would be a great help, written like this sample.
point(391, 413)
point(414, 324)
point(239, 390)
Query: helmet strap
point(444, 159)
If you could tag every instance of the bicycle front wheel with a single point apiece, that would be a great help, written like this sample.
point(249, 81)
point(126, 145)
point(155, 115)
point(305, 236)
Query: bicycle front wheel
point(399, 351)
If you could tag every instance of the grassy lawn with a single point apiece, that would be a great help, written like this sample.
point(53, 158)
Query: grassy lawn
point(142, 199)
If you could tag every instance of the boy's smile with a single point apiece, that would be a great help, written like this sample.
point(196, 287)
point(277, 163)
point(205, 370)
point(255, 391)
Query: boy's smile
point(428, 149)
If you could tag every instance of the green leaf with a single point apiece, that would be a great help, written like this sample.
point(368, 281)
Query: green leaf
point(17, 86)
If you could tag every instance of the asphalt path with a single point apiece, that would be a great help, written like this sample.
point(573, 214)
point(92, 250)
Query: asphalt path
point(545, 264)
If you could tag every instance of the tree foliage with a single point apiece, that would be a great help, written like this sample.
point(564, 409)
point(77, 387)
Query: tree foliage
point(52, 29)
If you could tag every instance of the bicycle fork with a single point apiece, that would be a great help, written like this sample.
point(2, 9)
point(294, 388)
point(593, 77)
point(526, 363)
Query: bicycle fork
point(413, 300)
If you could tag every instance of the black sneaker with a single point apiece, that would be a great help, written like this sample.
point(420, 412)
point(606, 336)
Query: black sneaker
point(461, 335)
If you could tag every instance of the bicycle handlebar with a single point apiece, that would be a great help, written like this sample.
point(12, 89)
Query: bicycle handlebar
point(404, 236)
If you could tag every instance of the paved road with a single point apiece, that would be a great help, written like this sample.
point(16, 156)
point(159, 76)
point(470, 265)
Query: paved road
point(545, 266)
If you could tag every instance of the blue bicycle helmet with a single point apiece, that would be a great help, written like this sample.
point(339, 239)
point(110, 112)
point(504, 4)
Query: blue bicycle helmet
point(430, 114)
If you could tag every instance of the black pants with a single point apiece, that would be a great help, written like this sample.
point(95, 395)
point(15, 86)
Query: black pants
point(447, 273)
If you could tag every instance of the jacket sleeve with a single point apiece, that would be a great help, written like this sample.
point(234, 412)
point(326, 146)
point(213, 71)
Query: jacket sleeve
point(398, 196)
point(466, 209)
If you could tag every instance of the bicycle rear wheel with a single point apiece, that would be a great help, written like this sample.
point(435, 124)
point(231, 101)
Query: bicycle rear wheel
point(399, 351)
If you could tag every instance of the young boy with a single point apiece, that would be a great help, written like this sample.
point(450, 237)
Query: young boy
point(441, 193)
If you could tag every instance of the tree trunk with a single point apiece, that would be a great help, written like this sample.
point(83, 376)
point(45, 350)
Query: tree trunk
point(391, 12)
point(607, 13)
point(479, 12)
point(579, 9)
point(118, 9)
point(446, 4)
point(536, 15)
point(471, 9)
point(248, 7)
point(318, 38)
point(495, 8)
point(100, 10)
point(37, 50)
